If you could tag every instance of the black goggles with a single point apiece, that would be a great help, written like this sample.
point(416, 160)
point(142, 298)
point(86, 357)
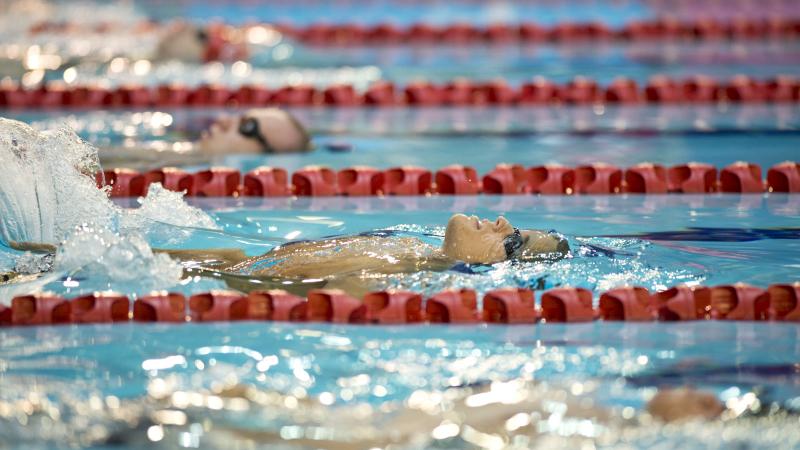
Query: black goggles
point(248, 127)
point(513, 243)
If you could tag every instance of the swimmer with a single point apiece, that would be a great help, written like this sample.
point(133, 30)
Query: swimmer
point(493, 412)
point(358, 264)
point(257, 131)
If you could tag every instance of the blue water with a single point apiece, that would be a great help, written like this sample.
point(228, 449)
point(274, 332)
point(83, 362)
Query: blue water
point(482, 137)
point(617, 364)
point(402, 13)
point(560, 63)
point(652, 241)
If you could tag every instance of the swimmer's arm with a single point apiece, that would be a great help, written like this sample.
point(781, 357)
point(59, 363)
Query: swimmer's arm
point(216, 257)
point(36, 247)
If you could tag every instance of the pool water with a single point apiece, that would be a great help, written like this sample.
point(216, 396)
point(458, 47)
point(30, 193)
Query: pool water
point(314, 385)
point(619, 364)
point(479, 137)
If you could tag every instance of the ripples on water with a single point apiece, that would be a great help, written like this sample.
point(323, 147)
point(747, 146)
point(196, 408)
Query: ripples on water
point(320, 386)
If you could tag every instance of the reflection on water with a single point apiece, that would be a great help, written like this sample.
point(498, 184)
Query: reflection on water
point(320, 386)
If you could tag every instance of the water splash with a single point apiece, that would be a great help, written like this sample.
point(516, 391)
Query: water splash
point(49, 196)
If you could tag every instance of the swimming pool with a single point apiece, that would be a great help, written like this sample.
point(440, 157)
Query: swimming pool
point(312, 385)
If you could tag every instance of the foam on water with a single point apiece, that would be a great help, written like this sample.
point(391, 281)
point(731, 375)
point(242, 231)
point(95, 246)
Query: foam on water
point(48, 195)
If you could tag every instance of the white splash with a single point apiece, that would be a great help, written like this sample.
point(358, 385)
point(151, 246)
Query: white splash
point(168, 207)
point(48, 195)
point(125, 259)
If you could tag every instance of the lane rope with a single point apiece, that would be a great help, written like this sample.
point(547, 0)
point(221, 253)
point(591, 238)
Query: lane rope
point(742, 302)
point(460, 33)
point(504, 179)
point(659, 89)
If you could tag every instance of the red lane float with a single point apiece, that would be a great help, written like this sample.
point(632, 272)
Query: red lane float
point(538, 91)
point(88, 97)
point(171, 95)
point(216, 306)
point(692, 178)
point(249, 95)
point(216, 182)
point(551, 179)
point(661, 89)
point(209, 95)
point(505, 179)
point(266, 182)
point(300, 95)
point(5, 315)
point(744, 89)
point(779, 302)
point(423, 94)
point(784, 300)
point(172, 179)
point(333, 305)
point(224, 43)
point(314, 181)
point(407, 180)
point(100, 307)
point(40, 309)
point(360, 181)
point(160, 307)
point(341, 95)
point(124, 182)
point(602, 179)
point(683, 303)
point(131, 96)
point(453, 306)
point(646, 178)
point(631, 304)
point(394, 307)
point(581, 90)
point(739, 302)
point(598, 178)
point(623, 90)
point(741, 177)
point(381, 93)
point(457, 180)
point(277, 305)
point(510, 306)
point(700, 89)
point(782, 89)
point(568, 305)
point(784, 177)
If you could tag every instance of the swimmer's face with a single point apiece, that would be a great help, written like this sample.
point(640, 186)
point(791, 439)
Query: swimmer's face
point(281, 133)
point(482, 241)
point(183, 42)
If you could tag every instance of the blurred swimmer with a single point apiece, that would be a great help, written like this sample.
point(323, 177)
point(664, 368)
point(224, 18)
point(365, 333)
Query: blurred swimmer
point(491, 414)
point(257, 131)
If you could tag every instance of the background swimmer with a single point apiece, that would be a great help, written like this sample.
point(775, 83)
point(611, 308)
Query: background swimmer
point(257, 131)
point(357, 263)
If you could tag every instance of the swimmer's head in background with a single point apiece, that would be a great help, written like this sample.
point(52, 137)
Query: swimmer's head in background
point(481, 241)
point(191, 43)
point(258, 131)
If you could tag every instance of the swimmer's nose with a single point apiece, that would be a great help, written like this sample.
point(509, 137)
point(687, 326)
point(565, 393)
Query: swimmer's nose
point(501, 224)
